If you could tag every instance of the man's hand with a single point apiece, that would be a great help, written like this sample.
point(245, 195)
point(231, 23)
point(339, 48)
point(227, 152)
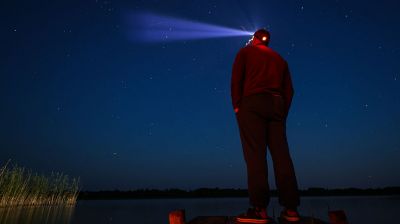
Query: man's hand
point(236, 110)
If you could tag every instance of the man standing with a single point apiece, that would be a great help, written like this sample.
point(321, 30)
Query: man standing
point(262, 92)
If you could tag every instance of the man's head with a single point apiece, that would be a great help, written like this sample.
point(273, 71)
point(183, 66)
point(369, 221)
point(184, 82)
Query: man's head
point(261, 36)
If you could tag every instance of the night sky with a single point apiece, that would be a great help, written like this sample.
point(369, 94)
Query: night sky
point(80, 96)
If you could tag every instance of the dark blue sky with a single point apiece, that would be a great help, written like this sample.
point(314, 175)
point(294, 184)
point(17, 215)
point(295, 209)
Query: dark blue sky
point(77, 95)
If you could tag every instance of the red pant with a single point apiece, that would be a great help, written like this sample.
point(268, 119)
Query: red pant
point(262, 123)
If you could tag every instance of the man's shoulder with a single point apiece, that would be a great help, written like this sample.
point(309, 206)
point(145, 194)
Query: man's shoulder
point(244, 49)
point(242, 52)
point(250, 49)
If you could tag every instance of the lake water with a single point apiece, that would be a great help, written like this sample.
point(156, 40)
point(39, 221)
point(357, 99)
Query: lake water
point(365, 210)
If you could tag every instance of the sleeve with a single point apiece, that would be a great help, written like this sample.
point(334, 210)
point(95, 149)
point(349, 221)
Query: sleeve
point(237, 81)
point(288, 91)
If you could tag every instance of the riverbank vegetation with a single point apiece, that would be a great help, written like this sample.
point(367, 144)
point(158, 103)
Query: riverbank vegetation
point(19, 186)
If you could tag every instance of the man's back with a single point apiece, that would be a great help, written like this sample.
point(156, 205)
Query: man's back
point(259, 69)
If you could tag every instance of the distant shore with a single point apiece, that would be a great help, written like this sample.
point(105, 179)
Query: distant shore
point(224, 193)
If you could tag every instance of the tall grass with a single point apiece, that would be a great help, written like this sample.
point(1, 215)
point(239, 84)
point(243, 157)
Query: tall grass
point(19, 186)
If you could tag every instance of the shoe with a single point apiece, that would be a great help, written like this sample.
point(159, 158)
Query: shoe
point(253, 215)
point(290, 215)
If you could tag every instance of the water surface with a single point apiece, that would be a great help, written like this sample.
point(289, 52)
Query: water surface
point(365, 210)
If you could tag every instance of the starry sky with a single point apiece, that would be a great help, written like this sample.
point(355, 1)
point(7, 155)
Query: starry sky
point(78, 96)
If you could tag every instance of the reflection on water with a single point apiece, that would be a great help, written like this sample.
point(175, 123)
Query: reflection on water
point(37, 214)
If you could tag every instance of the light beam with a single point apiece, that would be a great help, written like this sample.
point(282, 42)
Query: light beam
point(149, 27)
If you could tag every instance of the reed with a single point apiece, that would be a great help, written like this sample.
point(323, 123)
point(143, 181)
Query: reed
point(19, 186)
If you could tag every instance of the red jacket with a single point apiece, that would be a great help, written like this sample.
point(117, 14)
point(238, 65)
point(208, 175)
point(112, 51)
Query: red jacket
point(259, 69)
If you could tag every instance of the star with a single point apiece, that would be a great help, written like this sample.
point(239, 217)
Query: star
point(123, 84)
point(219, 147)
point(115, 116)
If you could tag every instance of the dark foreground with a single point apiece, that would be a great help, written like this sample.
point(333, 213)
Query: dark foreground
point(360, 209)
